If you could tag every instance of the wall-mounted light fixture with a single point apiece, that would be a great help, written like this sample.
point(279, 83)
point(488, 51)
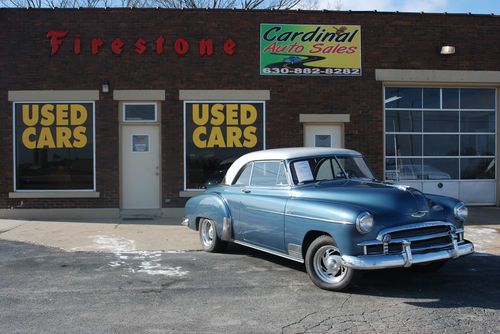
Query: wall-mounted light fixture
point(447, 50)
point(105, 87)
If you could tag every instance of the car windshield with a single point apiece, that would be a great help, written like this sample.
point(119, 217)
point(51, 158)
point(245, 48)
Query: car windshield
point(330, 168)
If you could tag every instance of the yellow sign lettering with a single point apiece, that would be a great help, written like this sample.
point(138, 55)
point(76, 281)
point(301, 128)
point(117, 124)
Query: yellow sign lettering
point(232, 125)
point(197, 133)
point(248, 114)
point(217, 112)
point(47, 112)
point(45, 140)
point(233, 136)
point(78, 114)
point(63, 136)
point(62, 114)
point(27, 141)
point(232, 114)
point(80, 137)
point(250, 137)
point(216, 138)
point(30, 119)
point(197, 118)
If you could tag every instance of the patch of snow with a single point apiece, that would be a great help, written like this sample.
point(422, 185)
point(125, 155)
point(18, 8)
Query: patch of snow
point(132, 260)
point(110, 244)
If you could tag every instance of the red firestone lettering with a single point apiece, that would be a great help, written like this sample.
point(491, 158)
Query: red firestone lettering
point(77, 44)
point(229, 47)
point(56, 37)
point(181, 46)
point(159, 44)
point(117, 46)
point(96, 45)
point(206, 47)
point(140, 46)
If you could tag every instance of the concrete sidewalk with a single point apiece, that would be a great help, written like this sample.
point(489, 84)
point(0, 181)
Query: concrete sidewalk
point(114, 235)
point(102, 236)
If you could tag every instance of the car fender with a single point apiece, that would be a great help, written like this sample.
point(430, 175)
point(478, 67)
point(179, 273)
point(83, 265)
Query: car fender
point(212, 206)
point(303, 216)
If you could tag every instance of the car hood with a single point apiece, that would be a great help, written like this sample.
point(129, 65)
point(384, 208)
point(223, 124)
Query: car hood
point(373, 196)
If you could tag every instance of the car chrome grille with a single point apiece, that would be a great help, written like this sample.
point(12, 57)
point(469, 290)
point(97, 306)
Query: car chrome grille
point(422, 237)
point(420, 231)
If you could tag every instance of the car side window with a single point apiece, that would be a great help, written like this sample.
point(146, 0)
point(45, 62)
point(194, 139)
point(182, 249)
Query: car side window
point(329, 169)
point(325, 170)
point(282, 180)
point(337, 170)
point(244, 177)
point(265, 173)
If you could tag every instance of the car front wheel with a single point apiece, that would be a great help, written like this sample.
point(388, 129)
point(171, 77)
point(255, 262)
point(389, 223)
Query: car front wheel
point(210, 241)
point(324, 265)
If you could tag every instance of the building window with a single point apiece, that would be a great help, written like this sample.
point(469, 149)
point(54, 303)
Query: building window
point(139, 112)
point(54, 146)
point(215, 135)
point(440, 133)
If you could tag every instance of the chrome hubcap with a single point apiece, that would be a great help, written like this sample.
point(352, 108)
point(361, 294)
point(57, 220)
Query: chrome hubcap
point(207, 232)
point(328, 266)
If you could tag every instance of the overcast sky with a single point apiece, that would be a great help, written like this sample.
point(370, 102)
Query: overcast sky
point(436, 6)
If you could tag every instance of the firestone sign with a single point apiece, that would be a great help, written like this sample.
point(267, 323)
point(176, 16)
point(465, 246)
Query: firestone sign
point(300, 49)
point(181, 46)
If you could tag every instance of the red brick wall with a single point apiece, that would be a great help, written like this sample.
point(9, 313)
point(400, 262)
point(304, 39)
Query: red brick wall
point(402, 41)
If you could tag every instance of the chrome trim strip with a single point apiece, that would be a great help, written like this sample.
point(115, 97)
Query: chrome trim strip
point(419, 214)
point(429, 248)
point(400, 240)
point(185, 222)
point(267, 211)
point(368, 262)
point(390, 230)
point(408, 256)
point(421, 249)
point(289, 214)
point(268, 251)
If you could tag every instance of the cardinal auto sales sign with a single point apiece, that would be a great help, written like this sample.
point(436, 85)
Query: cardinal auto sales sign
point(319, 50)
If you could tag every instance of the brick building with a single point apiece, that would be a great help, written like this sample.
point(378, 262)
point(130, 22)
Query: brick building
point(131, 111)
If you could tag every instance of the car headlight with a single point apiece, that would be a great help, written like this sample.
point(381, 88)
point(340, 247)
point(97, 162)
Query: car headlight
point(461, 212)
point(364, 222)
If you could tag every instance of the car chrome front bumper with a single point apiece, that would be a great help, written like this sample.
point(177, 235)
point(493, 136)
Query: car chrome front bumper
point(406, 258)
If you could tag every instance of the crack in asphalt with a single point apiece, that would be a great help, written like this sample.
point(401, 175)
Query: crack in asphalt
point(297, 322)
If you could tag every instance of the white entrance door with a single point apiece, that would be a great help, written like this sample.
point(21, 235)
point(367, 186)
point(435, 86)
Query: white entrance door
point(323, 135)
point(140, 167)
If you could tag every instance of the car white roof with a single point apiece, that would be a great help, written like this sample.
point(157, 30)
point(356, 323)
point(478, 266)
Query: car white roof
point(283, 154)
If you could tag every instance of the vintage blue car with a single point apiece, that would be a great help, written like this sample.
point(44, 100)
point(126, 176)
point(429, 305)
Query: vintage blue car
point(324, 208)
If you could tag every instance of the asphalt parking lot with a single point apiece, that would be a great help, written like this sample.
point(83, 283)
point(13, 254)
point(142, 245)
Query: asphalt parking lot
point(241, 291)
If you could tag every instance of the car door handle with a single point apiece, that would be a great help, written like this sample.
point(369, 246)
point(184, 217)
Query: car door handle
point(246, 191)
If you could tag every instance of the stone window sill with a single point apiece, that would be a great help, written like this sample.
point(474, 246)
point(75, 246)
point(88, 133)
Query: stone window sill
point(54, 194)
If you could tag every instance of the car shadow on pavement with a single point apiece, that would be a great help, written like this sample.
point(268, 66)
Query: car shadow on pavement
point(471, 281)
point(236, 249)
